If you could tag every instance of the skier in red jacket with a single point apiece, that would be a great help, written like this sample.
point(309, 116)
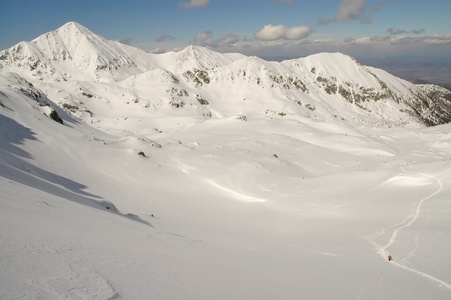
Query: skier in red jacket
point(389, 257)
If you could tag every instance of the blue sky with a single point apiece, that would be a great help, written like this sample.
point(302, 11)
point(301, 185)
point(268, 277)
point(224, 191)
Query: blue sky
point(267, 28)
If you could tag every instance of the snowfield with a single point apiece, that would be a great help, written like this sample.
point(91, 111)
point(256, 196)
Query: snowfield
point(253, 196)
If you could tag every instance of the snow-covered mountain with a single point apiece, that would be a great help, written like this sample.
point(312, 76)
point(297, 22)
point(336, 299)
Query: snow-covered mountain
point(72, 52)
point(200, 175)
point(322, 86)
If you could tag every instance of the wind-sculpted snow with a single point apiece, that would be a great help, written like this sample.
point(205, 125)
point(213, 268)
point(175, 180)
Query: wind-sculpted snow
point(260, 180)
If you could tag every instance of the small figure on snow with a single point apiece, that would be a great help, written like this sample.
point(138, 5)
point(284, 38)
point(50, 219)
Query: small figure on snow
point(389, 257)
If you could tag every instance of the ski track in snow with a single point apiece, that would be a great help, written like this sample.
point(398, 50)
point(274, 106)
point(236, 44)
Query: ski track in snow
point(404, 224)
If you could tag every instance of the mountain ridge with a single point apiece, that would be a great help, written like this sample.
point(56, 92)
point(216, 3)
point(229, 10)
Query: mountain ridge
point(331, 85)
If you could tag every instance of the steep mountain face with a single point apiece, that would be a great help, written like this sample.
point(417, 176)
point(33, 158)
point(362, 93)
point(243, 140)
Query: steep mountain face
point(362, 86)
point(75, 67)
point(72, 52)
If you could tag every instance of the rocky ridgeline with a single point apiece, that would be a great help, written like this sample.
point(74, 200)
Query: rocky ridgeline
point(325, 83)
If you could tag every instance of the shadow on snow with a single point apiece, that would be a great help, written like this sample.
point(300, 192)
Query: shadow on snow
point(13, 166)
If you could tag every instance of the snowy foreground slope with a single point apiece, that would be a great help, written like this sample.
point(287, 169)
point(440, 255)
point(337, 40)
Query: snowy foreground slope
point(253, 196)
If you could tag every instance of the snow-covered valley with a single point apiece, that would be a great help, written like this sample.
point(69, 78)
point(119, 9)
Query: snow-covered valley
point(244, 179)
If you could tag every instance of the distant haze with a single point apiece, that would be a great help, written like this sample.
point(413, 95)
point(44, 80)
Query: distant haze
point(419, 70)
point(423, 70)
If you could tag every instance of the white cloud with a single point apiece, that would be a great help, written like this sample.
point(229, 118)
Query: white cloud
point(157, 51)
point(369, 47)
point(271, 32)
point(350, 10)
point(297, 33)
point(164, 37)
point(194, 3)
point(443, 39)
point(206, 39)
point(125, 40)
point(375, 46)
point(393, 31)
point(228, 39)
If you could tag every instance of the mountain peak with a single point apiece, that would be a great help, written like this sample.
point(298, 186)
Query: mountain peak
point(68, 30)
point(199, 57)
point(69, 36)
point(193, 52)
point(73, 26)
point(87, 55)
point(193, 49)
point(198, 54)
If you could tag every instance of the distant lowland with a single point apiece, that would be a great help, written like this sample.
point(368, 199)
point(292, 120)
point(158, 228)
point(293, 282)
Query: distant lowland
point(416, 70)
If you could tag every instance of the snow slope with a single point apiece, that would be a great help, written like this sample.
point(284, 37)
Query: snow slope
point(253, 196)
